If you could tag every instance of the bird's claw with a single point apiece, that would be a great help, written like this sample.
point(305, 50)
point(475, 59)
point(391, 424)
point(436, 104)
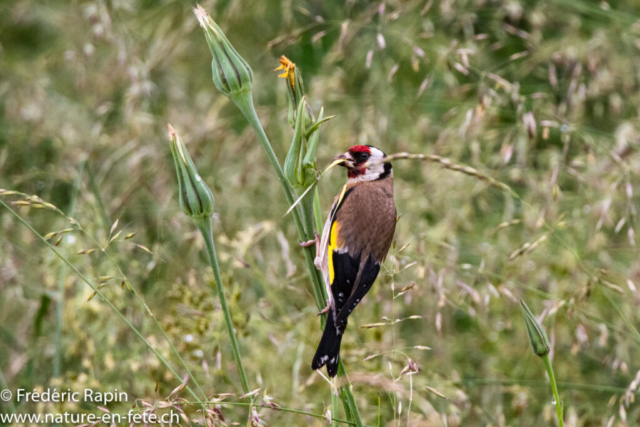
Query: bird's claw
point(314, 241)
point(325, 310)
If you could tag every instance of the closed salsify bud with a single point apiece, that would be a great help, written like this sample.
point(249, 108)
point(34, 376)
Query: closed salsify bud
point(196, 198)
point(537, 336)
point(231, 73)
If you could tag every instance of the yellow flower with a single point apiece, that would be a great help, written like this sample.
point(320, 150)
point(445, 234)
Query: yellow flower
point(289, 70)
point(295, 90)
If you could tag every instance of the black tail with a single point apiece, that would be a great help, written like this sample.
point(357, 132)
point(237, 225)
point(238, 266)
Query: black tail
point(328, 352)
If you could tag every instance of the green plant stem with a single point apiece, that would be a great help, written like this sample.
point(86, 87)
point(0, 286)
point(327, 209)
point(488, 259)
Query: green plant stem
point(204, 225)
point(101, 295)
point(62, 279)
point(554, 389)
point(334, 409)
point(307, 214)
point(347, 395)
point(244, 102)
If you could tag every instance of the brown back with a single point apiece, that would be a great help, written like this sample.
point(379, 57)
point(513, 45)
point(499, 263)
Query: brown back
point(367, 218)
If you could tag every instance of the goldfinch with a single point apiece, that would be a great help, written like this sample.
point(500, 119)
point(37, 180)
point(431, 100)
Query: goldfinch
point(355, 241)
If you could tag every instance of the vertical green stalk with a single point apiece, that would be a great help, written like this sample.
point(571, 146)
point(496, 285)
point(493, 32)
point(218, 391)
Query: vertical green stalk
point(204, 225)
point(554, 389)
point(334, 409)
point(57, 359)
point(244, 102)
point(345, 400)
point(307, 214)
point(350, 406)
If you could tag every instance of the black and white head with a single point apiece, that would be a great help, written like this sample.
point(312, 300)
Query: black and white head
point(355, 160)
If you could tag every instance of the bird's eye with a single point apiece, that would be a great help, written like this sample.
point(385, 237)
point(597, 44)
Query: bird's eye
point(364, 156)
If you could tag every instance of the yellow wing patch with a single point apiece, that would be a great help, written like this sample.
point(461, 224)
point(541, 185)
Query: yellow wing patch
point(333, 245)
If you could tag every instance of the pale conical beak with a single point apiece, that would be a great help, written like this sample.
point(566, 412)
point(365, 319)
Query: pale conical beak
point(347, 160)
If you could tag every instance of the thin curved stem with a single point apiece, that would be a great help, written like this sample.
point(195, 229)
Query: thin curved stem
point(204, 226)
point(554, 389)
point(334, 409)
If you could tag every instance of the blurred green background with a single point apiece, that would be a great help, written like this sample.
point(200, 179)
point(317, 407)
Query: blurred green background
point(540, 95)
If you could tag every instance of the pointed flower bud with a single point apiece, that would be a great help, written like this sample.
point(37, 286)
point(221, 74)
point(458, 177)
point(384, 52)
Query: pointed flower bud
point(537, 336)
point(295, 90)
point(196, 199)
point(231, 73)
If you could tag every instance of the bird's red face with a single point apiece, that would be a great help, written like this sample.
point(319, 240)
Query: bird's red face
point(356, 158)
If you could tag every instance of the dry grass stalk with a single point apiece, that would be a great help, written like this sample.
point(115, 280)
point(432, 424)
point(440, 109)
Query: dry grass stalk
point(388, 323)
point(506, 224)
point(447, 164)
point(35, 202)
point(527, 247)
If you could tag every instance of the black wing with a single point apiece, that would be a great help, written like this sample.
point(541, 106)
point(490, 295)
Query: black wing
point(345, 267)
point(370, 271)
